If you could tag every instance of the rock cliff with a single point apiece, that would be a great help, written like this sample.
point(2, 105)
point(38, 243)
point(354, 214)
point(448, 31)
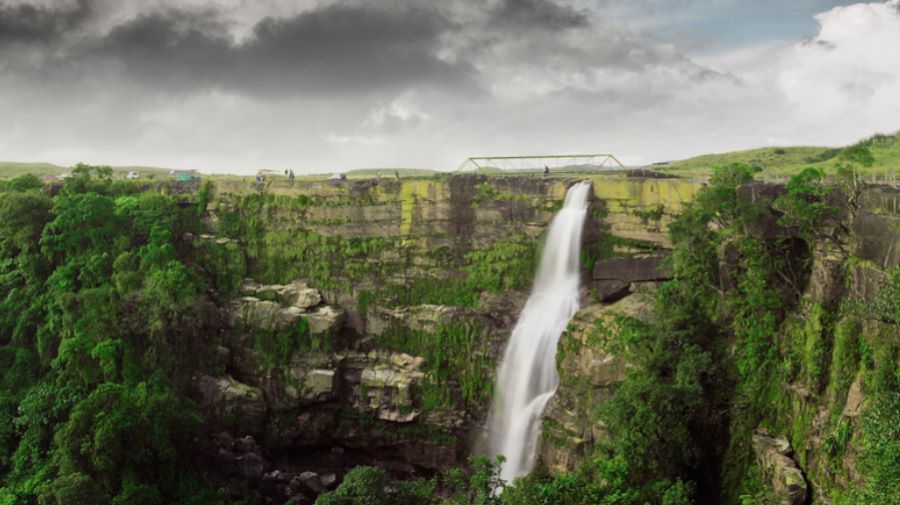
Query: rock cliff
point(372, 314)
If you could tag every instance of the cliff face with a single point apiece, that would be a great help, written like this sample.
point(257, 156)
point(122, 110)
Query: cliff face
point(832, 344)
point(372, 314)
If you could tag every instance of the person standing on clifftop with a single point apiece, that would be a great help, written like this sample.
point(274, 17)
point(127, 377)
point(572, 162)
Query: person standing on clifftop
point(546, 170)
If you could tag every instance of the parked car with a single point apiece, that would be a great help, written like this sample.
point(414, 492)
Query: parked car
point(133, 175)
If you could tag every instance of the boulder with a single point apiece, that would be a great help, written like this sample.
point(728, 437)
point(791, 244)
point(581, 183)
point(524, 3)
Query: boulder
point(325, 319)
point(776, 466)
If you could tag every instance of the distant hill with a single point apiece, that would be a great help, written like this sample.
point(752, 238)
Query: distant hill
point(790, 160)
point(11, 169)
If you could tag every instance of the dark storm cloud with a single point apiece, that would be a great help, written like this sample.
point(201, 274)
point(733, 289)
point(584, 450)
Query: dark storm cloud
point(26, 23)
point(350, 47)
point(333, 49)
point(531, 14)
point(173, 48)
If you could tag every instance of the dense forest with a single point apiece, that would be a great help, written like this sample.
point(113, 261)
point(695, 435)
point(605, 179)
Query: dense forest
point(109, 310)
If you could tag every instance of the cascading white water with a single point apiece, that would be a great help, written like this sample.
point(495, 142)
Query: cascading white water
point(527, 378)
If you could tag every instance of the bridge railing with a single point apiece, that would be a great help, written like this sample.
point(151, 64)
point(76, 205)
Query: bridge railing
point(557, 163)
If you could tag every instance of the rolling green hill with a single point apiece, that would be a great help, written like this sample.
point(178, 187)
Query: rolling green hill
point(12, 169)
point(780, 161)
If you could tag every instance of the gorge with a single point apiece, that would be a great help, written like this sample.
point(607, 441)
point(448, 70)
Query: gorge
point(731, 340)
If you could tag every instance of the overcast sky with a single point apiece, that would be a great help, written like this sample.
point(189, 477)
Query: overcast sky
point(319, 86)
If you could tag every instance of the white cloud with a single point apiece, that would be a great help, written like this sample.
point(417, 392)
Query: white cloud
point(597, 86)
point(400, 113)
point(848, 76)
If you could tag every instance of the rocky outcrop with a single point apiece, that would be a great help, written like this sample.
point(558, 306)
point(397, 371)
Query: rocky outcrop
point(616, 278)
point(647, 269)
point(417, 317)
point(325, 319)
point(227, 401)
point(242, 465)
point(384, 384)
point(295, 294)
point(251, 312)
point(773, 456)
point(589, 374)
point(279, 307)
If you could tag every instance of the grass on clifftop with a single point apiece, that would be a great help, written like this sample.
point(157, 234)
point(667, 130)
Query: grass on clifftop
point(784, 161)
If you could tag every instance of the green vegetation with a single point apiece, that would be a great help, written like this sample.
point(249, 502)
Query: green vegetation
point(98, 297)
point(501, 266)
point(13, 169)
point(785, 161)
point(805, 204)
point(282, 255)
point(472, 485)
point(453, 351)
point(278, 254)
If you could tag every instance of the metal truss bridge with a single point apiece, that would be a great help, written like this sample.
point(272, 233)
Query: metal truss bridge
point(555, 163)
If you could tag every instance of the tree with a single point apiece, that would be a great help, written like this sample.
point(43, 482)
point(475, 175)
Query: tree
point(22, 219)
point(858, 154)
point(804, 205)
point(25, 182)
point(366, 485)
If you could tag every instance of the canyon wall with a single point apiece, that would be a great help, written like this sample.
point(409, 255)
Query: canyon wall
point(372, 313)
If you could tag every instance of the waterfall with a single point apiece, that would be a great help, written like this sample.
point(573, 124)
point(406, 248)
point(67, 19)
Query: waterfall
point(527, 377)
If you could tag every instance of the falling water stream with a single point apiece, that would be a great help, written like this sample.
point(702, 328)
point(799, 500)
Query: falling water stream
point(527, 377)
